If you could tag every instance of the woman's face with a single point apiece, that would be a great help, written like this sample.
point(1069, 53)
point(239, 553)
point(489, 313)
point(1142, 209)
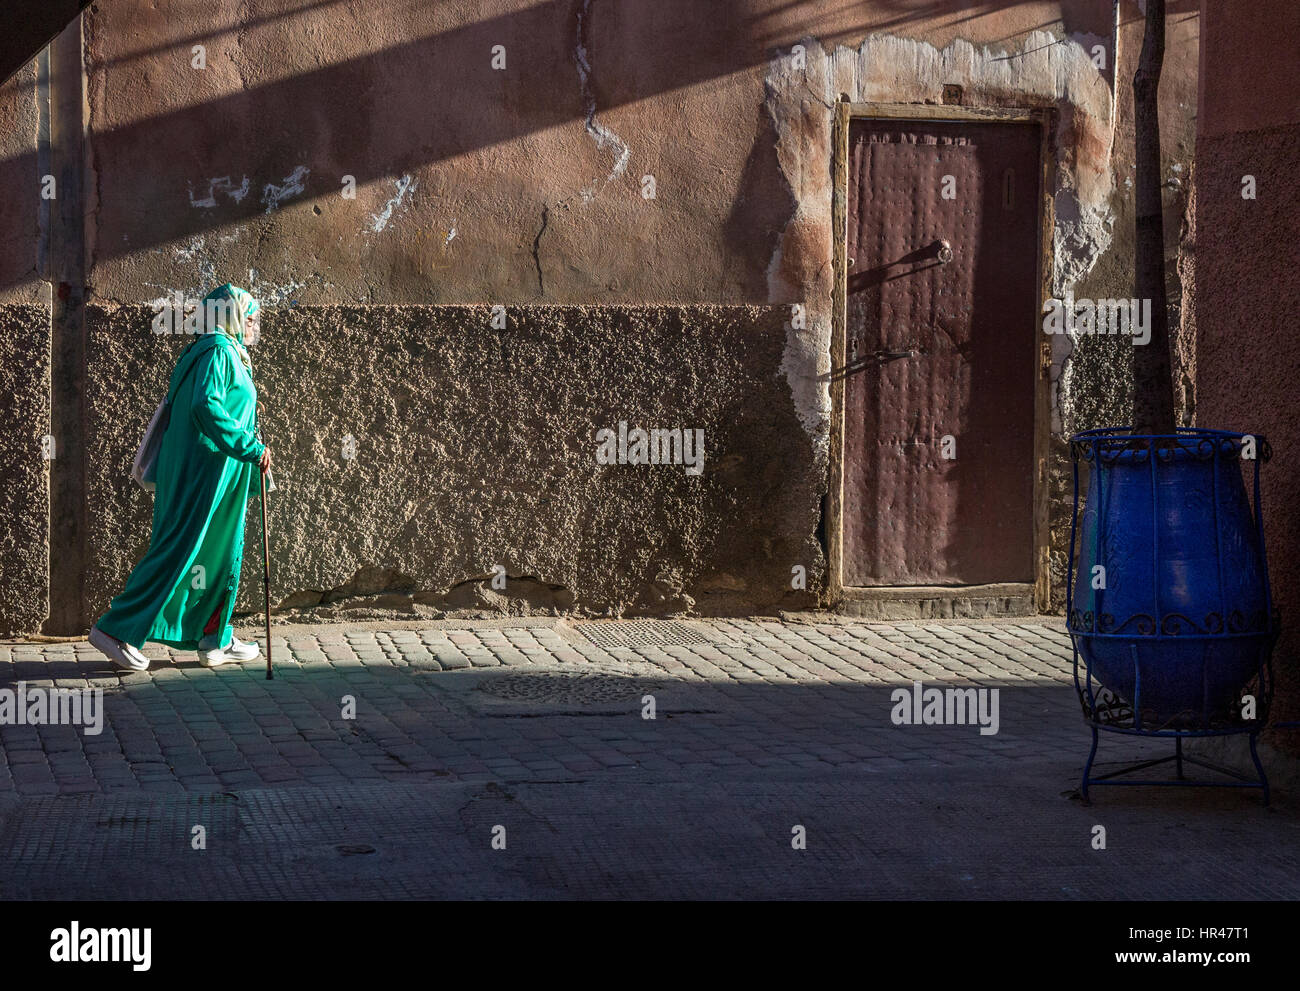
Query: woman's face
point(252, 328)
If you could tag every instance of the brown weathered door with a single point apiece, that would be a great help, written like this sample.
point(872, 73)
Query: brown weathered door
point(941, 336)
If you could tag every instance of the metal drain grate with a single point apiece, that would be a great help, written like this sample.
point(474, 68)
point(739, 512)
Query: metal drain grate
point(641, 633)
point(565, 688)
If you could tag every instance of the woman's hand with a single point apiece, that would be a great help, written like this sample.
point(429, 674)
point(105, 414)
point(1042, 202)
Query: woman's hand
point(264, 462)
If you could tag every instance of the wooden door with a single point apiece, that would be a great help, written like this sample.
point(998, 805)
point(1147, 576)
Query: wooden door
point(941, 336)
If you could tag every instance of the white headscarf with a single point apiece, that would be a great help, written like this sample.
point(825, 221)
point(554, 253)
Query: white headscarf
point(231, 316)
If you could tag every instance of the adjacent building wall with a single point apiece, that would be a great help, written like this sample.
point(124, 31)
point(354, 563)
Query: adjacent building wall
point(1248, 348)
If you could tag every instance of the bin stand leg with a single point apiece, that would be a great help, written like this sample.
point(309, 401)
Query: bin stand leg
point(1087, 768)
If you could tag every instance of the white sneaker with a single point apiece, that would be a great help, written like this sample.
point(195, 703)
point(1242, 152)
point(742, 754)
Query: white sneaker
point(237, 650)
point(121, 654)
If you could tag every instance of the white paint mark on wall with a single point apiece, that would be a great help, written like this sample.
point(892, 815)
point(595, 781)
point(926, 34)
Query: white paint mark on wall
point(198, 254)
point(270, 293)
point(603, 136)
point(205, 256)
point(195, 253)
point(378, 221)
point(292, 185)
point(225, 185)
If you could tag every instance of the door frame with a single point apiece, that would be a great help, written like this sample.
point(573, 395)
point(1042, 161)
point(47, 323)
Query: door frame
point(1044, 118)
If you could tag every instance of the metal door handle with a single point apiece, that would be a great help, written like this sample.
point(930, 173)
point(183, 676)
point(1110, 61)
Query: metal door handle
point(884, 356)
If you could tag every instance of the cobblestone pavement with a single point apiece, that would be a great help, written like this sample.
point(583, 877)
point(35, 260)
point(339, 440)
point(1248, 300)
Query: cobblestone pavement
point(381, 762)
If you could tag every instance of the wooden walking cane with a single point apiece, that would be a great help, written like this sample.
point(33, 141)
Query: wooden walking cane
point(266, 557)
point(266, 577)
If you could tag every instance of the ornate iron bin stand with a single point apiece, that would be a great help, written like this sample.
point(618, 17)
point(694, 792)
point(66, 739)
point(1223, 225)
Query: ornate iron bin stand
point(1170, 609)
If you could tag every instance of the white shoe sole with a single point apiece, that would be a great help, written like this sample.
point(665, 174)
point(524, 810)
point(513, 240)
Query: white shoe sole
point(244, 652)
point(115, 652)
point(216, 658)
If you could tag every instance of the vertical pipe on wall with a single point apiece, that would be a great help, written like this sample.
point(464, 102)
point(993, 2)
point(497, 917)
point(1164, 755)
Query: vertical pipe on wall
point(43, 166)
point(67, 272)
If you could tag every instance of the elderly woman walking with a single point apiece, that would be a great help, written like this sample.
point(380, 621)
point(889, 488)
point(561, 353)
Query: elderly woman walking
point(182, 592)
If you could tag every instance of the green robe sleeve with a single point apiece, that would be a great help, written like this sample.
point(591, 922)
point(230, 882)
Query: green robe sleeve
point(216, 376)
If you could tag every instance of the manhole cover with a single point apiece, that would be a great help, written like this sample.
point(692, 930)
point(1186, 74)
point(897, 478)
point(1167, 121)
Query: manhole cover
point(567, 688)
point(641, 633)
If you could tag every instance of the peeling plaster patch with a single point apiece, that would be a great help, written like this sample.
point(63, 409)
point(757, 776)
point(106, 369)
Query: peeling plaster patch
point(221, 185)
point(1080, 237)
point(378, 221)
point(293, 184)
point(805, 362)
point(1063, 349)
point(604, 137)
point(1045, 70)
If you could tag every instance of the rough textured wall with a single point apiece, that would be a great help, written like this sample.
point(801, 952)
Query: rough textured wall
point(1248, 350)
point(475, 447)
point(24, 479)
